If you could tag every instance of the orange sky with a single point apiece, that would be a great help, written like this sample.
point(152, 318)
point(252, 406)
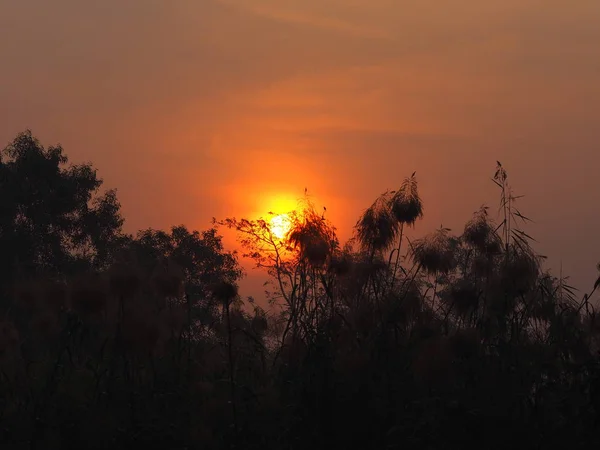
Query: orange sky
point(202, 108)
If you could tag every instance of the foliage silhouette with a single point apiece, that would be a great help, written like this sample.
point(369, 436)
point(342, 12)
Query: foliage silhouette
point(461, 341)
point(53, 218)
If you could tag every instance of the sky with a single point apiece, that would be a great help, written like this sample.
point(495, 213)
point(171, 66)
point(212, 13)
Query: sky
point(196, 109)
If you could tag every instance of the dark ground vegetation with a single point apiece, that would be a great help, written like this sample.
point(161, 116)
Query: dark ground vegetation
point(112, 341)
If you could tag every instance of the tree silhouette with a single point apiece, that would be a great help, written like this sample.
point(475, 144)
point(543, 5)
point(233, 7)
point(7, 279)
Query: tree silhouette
point(465, 341)
point(53, 218)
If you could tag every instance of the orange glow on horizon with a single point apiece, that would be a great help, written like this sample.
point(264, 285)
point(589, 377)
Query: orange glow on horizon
point(280, 225)
point(278, 207)
point(281, 203)
point(275, 208)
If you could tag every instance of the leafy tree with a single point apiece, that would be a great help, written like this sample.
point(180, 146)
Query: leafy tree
point(200, 254)
point(199, 258)
point(53, 217)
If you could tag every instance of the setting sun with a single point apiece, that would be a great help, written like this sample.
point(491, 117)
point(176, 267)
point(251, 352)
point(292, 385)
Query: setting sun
point(280, 225)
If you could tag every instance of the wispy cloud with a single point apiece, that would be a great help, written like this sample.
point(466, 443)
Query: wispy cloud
point(296, 16)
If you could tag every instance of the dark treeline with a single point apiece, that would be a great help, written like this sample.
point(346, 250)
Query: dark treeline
point(110, 340)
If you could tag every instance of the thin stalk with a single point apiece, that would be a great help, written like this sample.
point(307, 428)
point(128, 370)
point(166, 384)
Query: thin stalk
point(398, 253)
point(231, 368)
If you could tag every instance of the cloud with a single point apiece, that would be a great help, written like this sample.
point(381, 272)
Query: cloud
point(296, 16)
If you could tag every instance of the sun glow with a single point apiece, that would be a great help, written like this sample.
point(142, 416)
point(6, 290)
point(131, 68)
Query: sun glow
point(280, 225)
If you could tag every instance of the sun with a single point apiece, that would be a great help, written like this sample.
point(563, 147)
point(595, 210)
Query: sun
point(280, 225)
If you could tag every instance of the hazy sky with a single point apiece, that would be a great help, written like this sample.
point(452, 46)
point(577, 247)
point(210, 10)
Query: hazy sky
point(201, 108)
